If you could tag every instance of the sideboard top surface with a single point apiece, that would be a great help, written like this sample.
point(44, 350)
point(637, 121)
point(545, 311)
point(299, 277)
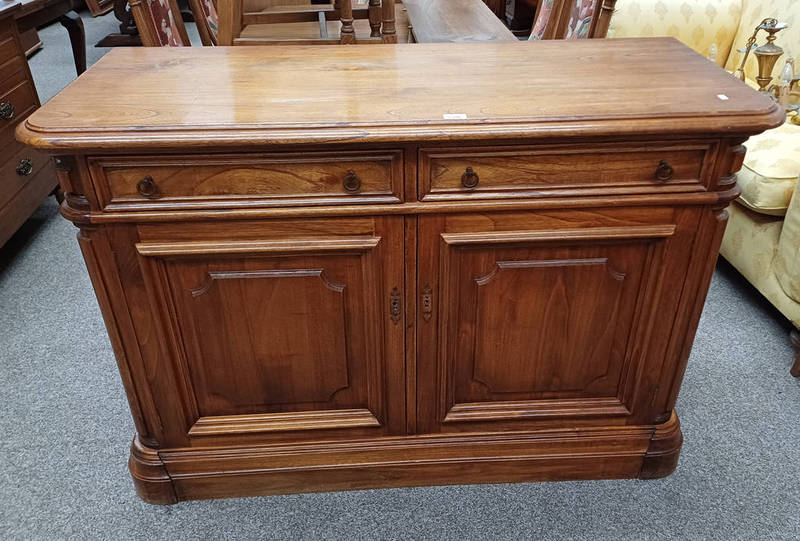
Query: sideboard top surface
point(182, 97)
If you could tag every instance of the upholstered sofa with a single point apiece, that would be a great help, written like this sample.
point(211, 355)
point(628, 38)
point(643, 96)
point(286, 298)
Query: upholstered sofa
point(763, 236)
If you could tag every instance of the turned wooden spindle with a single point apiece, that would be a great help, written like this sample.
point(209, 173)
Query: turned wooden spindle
point(375, 18)
point(388, 32)
point(348, 32)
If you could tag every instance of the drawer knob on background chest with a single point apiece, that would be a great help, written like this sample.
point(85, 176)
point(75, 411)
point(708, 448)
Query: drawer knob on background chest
point(6, 110)
point(470, 178)
point(664, 171)
point(147, 187)
point(351, 182)
point(25, 167)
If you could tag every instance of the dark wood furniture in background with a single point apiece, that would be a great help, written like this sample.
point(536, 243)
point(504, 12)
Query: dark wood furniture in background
point(383, 275)
point(26, 175)
point(454, 21)
point(519, 16)
point(36, 13)
point(498, 7)
point(99, 7)
point(248, 22)
point(128, 35)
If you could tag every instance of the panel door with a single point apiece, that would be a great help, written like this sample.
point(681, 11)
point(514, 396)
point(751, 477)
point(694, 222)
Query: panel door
point(283, 329)
point(528, 319)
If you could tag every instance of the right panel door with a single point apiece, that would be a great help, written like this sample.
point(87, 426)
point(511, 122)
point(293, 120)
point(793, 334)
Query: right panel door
point(529, 318)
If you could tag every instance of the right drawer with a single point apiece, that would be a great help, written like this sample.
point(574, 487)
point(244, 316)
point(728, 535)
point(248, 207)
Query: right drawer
point(558, 170)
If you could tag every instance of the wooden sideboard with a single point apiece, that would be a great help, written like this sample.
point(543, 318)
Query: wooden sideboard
point(332, 268)
point(26, 175)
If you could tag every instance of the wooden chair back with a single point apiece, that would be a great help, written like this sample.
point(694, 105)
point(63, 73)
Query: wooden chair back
point(159, 23)
point(247, 22)
point(572, 19)
point(207, 20)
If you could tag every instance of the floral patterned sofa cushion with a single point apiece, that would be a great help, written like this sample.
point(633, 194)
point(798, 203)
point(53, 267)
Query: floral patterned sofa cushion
point(580, 18)
point(164, 23)
point(543, 13)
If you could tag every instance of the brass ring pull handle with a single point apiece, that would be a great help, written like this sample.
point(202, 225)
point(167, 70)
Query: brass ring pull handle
point(469, 179)
point(25, 167)
point(6, 110)
point(664, 171)
point(351, 182)
point(147, 187)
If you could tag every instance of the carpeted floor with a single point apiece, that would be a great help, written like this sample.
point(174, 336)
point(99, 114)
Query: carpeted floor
point(65, 427)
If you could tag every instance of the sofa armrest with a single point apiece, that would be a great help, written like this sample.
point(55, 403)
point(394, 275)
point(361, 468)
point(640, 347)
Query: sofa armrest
point(787, 256)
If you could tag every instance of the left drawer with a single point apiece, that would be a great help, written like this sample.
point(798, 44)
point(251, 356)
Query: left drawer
point(18, 168)
point(17, 102)
point(248, 180)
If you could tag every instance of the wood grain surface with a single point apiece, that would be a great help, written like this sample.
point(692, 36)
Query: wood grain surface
point(150, 97)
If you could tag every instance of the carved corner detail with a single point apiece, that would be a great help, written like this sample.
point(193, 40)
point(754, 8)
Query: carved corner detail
point(153, 483)
point(661, 457)
point(75, 206)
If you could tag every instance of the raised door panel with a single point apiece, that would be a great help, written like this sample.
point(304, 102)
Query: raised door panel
point(530, 319)
point(279, 335)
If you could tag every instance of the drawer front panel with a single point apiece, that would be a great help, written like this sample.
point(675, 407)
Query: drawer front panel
point(14, 171)
point(8, 47)
point(17, 102)
point(502, 172)
point(256, 180)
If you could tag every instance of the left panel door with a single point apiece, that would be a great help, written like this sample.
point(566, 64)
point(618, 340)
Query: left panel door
point(280, 330)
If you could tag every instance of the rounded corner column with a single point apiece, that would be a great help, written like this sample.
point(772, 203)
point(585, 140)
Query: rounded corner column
point(153, 483)
point(661, 457)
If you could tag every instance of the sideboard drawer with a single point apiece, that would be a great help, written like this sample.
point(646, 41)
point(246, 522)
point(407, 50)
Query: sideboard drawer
point(8, 47)
point(530, 171)
point(221, 181)
point(15, 103)
point(18, 166)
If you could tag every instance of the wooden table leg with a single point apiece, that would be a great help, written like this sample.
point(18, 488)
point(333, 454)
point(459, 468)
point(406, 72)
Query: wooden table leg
point(128, 35)
point(77, 38)
point(795, 336)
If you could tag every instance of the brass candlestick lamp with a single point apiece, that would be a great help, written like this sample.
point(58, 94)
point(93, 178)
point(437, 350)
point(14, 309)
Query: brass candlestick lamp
point(767, 55)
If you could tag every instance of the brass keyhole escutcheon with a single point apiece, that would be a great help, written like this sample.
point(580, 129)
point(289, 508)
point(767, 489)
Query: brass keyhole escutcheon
point(25, 167)
point(351, 182)
point(147, 187)
point(470, 178)
point(664, 171)
point(6, 110)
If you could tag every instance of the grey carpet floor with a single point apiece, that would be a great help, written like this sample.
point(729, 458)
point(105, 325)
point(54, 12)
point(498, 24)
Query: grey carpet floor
point(65, 427)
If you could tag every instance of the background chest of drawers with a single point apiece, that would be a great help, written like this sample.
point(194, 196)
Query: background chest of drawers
point(325, 286)
point(26, 175)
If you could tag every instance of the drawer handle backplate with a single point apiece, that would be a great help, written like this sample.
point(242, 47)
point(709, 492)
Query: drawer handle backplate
point(25, 167)
point(664, 171)
point(147, 187)
point(470, 178)
point(6, 110)
point(351, 182)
